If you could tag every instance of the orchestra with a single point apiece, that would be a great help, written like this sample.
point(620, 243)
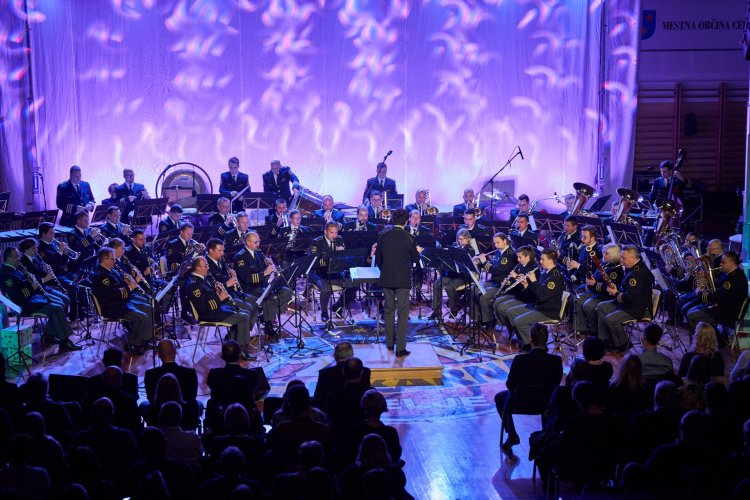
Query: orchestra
point(610, 283)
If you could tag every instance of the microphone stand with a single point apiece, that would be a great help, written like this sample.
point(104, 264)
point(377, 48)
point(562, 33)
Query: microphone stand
point(492, 184)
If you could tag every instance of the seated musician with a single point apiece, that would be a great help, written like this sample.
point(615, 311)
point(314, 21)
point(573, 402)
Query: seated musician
point(547, 292)
point(381, 183)
point(694, 244)
point(85, 240)
point(291, 232)
point(112, 191)
point(140, 256)
point(57, 255)
point(376, 204)
point(327, 212)
point(450, 280)
point(114, 292)
point(521, 208)
point(511, 294)
point(570, 202)
point(689, 300)
point(594, 291)
point(362, 223)
point(415, 227)
point(721, 307)
point(20, 290)
point(113, 228)
point(223, 217)
point(233, 182)
point(279, 218)
point(324, 247)
point(523, 229)
point(253, 269)
point(631, 300)
point(129, 191)
point(236, 236)
point(180, 251)
point(172, 220)
point(141, 294)
point(569, 241)
point(468, 204)
point(34, 264)
point(212, 303)
point(220, 271)
point(581, 268)
point(470, 224)
point(502, 263)
point(420, 203)
point(277, 181)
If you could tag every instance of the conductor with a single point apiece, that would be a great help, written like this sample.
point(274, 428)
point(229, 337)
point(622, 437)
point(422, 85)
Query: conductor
point(396, 252)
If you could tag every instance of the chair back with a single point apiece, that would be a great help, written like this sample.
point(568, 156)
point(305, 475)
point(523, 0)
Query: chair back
point(97, 306)
point(530, 399)
point(195, 311)
point(655, 295)
point(565, 298)
point(743, 310)
point(163, 265)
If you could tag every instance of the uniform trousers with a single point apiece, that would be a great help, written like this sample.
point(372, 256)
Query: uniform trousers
point(609, 323)
point(522, 317)
point(396, 298)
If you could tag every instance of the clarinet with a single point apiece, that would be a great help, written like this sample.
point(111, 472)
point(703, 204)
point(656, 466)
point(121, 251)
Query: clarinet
point(49, 270)
point(31, 279)
point(136, 273)
point(220, 288)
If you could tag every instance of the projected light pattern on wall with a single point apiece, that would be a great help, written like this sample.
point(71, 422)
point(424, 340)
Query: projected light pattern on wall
point(327, 87)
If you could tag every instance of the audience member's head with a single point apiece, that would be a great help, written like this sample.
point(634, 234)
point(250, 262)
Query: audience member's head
point(353, 370)
point(693, 427)
point(309, 455)
point(299, 400)
point(376, 484)
point(373, 452)
point(154, 486)
point(167, 351)
point(631, 373)
point(666, 396)
point(318, 484)
point(539, 335)
point(652, 335)
point(232, 462)
point(34, 425)
point(699, 371)
point(587, 396)
point(343, 351)
point(74, 491)
point(36, 387)
point(704, 339)
point(167, 389)
point(20, 450)
point(112, 357)
point(717, 399)
point(102, 412)
point(112, 377)
point(236, 419)
point(373, 404)
point(170, 414)
point(153, 443)
point(593, 349)
point(230, 352)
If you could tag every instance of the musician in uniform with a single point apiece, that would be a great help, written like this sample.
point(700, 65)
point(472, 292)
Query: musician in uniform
point(688, 300)
point(470, 224)
point(415, 226)
point(376, 204)
point(34, 264)
point(581, 268)
point(220, 272)
point(57, 255)
point(114, 292)
point(547, 292)
point(253, 269)
point(722, 306)
point(20, 290)
point(129, 191)
point(236, 236)
point(511, 294)
point(522, 229)
point(420, 203)
point(323, 247)
point(570, 202)
point(179, 250)
point(595, 291)
point(660, 188)
point(140, 295)
point(569, 241)
point(328, 213)
point(73, 196)
point(381, 183)
point(501, 264)
point(113, 228)
point(522, 207)
point(291, 232)
point(450, 281)
point(278, 218)
point(140, 256)
point(222, 217)
point(632, 300)
point(84, 240)
point(172, 220)
point(233, 182)
point(362, 223)
point(212, 305)
point(277, 181)
point(468, 204)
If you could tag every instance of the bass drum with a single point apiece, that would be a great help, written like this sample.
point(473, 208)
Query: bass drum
point(306, 201)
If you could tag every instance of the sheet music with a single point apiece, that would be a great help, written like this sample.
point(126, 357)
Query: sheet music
point(10, 305)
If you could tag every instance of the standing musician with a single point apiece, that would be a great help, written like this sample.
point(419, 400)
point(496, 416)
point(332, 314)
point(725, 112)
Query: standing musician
point(253, 269)
point(468, 204)
point(129, 191)
point(34, 264)
point(233, 182)
point(85, 240)
point(376, 204)
point(581, 268)
point(660, 187)
point(523, 229)
point(328, 213)
point(113, 228)
point(277, 181)
point(323, 247)
point(380, 183)
point(172, 220)
point(279, 217)
point(632, 299)
point(32, 299)
point(595, 291)
point(723, 306)
point(420, 203)
point(415, 228)
point(511, 293)
point(213, 304)
point(290, 232)
point(236, 236)
point(570, 202)
point(501, 264)
point(73, 196)
point(114, 292)
point(547, 292)
point(223, 217)
point(395, 253)
point(450, 280)
point(220, 272)
point(569, 241)
point(362, 223)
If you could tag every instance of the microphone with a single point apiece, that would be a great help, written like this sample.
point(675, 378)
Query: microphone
point(389, 153)
point(520, 152)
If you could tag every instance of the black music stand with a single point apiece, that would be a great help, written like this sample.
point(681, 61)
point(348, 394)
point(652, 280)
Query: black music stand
point(4, 201)
point(161, 240)
point(274, 247)
point(658, 267)
point(301, 245)
point(498, 226)
point(202, 234)
point(395, 201)
point(585, 220)
point(624, 234)
point(598, 205)
point(31, 220)
point(316, 224)
point(100, 214)
point(440, 259)
point(428, 243)
point(144, 210)
point(7, 220)
point(206, 203)
point(300, 267)
point(359, 239)
point(467, 268)
point(85, 268)
point(340, 262)
point(258, 201)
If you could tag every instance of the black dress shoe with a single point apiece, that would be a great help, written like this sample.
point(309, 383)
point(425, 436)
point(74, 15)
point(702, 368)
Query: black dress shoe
point(67, 345)
point(389, 347)
point(324, 317)
point(402, 353)
point(509, 443)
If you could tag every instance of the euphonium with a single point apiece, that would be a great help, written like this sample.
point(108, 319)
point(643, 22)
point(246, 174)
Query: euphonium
point(628, 198)
point(583, 193)
point(704, 276)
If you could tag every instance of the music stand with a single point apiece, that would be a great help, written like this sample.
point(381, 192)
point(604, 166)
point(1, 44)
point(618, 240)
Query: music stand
point(498, 226)
point(395, 201)
point(7, 220)
point(625, 234)
point(31, 220)
point(202, 234)
point(274, 247)
point(468, 268)
point(658, 267)
point(258, 201)
point(359, 239)
point(520, 241)
point(598, 205)
point(206, 203)
point(315, 224)
point(4, 201)
point(300, 267)
point(100, 214)
point(162, 239)
point(146, 209)
point(340, 262)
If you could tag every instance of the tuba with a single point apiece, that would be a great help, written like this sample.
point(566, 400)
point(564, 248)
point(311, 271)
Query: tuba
point(704, 276)
point(668, 210)
point(583, 193)
point(628, 198)
point(669, 248)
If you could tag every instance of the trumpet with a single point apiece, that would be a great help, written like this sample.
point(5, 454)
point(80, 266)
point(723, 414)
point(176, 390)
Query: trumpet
point(430, 209)
point(283, 221)
point(68, 251)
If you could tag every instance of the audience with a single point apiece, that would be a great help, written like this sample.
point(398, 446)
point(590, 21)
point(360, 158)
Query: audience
point(181, 445)
point(698, 375)
point(289, 435)
point(705, 344)
point(592, 367)
point(283, 414)
point(343, 404)
point(126, 406)
point(373, 455)
point(332, 377)
point(112, 356)
point(187, 377)
point(655, 427)
point(629, 393)
point(656, 366)
point(373, 406)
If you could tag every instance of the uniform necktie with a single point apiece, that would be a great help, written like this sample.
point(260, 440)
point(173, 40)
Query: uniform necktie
point(382, 183)
point(78, 189)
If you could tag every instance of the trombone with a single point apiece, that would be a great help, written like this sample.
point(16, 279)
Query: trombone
point(386, 213)
point(430, 209)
